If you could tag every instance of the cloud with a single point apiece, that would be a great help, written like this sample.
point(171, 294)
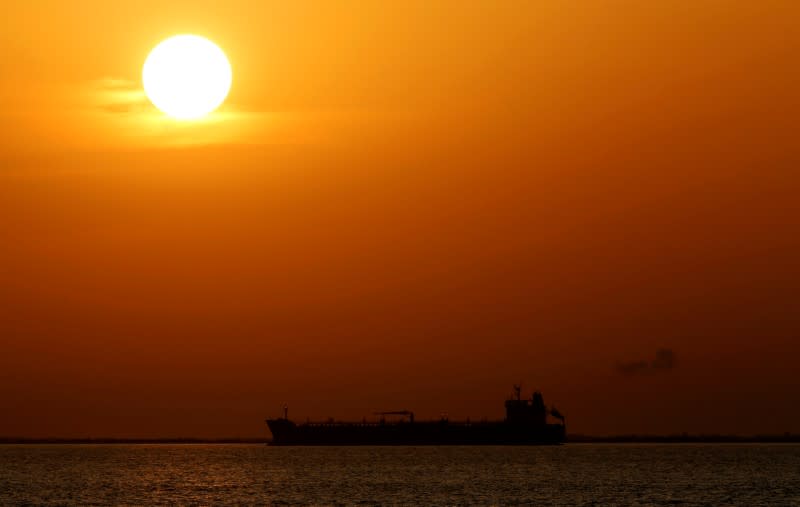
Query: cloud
point(114, 111)
point(114, 95)
point(664, 361)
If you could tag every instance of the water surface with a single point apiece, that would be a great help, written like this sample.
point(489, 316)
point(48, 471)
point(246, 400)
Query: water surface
point(574, 474)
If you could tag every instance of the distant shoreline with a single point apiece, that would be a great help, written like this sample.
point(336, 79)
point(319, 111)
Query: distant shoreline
point(588, 439)
point(685, 438)
point(101, 440)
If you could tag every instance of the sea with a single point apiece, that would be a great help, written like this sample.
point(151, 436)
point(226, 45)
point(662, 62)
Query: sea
point(572, 474)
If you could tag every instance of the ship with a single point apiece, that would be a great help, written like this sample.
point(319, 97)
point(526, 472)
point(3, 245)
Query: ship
point(526, 423)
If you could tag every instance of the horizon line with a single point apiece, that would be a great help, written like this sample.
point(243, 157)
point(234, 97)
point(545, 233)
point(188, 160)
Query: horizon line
point(787, 437)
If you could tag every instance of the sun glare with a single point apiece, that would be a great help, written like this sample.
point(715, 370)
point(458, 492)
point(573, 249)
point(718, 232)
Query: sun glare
point(187, 76)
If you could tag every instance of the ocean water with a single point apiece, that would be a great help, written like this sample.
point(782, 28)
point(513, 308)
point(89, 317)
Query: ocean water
point(573, 474)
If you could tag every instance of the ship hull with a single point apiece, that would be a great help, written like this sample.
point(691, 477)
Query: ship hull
point(285, 432)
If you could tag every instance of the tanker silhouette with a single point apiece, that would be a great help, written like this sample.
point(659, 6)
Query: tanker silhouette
point(526, 423)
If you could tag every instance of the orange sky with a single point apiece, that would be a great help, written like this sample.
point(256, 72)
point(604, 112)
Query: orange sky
point(402, 207)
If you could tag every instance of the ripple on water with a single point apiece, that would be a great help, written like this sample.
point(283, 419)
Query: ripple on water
point(579, 474)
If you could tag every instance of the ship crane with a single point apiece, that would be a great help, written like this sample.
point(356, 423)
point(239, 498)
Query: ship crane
point(407, 413)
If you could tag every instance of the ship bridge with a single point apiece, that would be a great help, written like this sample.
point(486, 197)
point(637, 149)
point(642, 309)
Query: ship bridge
point(529, 411)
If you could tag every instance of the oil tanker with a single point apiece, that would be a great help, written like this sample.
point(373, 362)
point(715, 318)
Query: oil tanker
point(526, 423)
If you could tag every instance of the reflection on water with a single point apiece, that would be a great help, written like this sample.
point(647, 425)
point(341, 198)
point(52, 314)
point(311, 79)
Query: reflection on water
point(255, 474)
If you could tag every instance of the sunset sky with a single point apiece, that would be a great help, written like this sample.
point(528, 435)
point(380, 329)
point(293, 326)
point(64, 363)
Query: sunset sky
point(402, 205)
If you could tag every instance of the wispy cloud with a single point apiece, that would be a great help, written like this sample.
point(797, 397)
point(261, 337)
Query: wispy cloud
point(113, 112)
point(118, 96)
point(119, 112)
point(664, 360)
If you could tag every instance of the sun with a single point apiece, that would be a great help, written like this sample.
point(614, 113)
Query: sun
point(187, 76)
